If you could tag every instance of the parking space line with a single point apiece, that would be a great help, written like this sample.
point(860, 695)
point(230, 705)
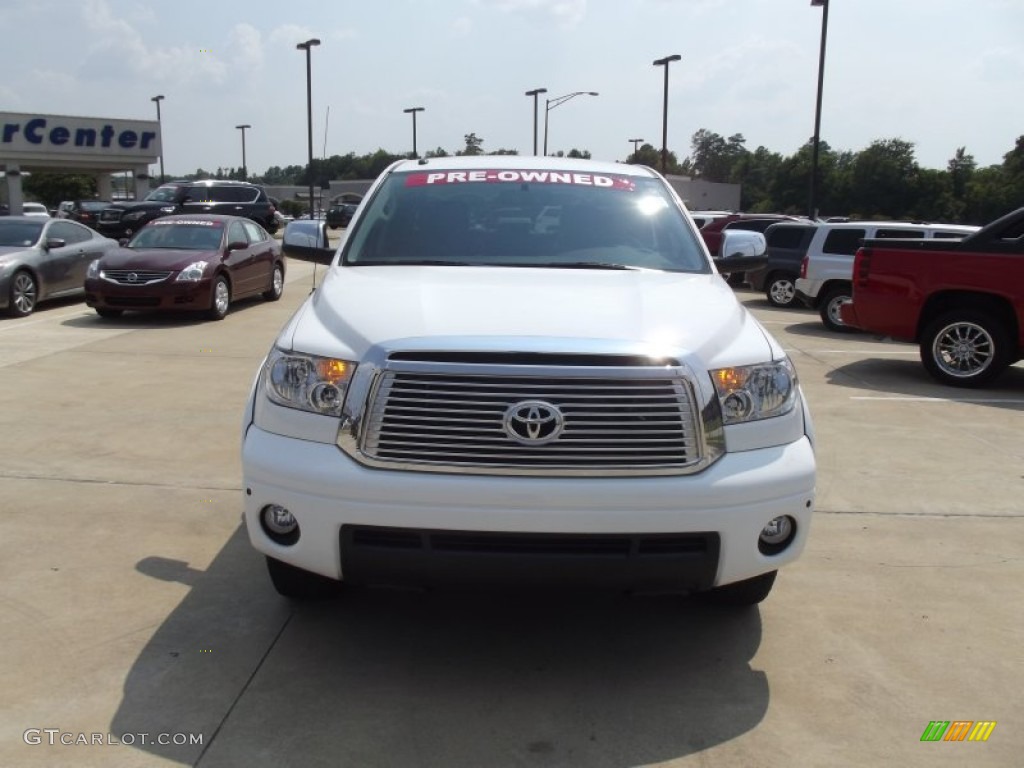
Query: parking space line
point(36, 321)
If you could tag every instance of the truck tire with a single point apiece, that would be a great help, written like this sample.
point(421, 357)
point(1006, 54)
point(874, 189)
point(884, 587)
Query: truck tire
point(780, 289)
point(965, 348)
point(741, 593)
point(298, 584)
point(829, 309)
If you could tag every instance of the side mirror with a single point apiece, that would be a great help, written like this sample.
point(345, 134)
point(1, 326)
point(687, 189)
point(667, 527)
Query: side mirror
point(741, 250)
point(54, 242)
point(306, 239)
point(237, 245)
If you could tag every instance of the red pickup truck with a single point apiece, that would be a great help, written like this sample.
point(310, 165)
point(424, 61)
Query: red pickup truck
point(961, 300)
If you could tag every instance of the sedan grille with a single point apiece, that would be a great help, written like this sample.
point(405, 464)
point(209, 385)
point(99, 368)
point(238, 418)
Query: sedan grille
point(566, 422)
point(136, 276)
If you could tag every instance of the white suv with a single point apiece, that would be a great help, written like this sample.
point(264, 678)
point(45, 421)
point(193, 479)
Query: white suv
point(467, 398)
point(826, 274)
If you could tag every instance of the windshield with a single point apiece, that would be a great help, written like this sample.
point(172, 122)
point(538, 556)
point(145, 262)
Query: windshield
point(14, 232)
point(520, 218)
point(190, 236)
point(165, 194)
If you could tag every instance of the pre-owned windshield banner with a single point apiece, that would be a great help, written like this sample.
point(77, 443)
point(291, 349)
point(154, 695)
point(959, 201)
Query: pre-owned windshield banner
point(519, 177)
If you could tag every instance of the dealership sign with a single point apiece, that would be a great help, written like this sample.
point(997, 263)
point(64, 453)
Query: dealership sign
point(27, 137)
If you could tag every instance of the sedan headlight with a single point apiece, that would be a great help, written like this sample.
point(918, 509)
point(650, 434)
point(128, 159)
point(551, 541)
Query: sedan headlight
point(94, 269)
point(752, 392)
point(192, 272)
point(307, 382)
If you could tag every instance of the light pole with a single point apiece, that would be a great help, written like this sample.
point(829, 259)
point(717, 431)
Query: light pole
point(636, 144)
point(813, 207)
point(245, 172)
point(535, 93)
point(307, 47)
point(412, 111)
point(550, 104)
point(664, 110)
point(158, 99)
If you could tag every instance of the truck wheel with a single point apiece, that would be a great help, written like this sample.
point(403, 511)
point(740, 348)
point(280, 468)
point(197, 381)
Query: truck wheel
point(965, 348)
point(781, 289)
point(830, 304)
point(740, 593)
point(298, 584)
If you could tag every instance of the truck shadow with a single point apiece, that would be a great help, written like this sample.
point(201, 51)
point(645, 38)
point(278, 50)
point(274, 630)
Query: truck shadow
point(380, 677)
point(909, 378)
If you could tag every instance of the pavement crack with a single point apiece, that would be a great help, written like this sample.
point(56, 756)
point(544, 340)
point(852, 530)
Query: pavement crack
point(244, 688)
point(126, 483)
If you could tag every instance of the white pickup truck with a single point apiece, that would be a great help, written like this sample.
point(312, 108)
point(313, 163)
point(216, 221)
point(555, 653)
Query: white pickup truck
point(526, 370)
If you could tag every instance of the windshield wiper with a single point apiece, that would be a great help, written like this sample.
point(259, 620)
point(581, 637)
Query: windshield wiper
point(585, 265)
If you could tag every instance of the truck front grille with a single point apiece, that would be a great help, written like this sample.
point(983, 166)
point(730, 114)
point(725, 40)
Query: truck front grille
point(622, 421)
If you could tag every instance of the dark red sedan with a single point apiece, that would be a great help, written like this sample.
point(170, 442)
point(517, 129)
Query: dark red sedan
point(188, 262)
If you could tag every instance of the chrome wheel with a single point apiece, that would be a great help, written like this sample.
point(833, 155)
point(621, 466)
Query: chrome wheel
point(963, 349)
point(276, 284)
point(221, 299)
point(24, 294)
point(967, 347)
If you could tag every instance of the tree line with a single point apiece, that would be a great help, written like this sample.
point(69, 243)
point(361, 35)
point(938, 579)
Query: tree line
point(882, 181)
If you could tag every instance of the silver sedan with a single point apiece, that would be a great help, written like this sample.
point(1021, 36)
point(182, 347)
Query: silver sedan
point(44, 259)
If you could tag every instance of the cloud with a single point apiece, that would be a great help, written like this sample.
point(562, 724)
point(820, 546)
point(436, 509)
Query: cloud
point(290, 35)
point(245, 43)
point(566, 13)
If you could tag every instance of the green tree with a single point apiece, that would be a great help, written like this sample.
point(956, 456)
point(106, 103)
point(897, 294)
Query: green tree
point(474, 145)
point(53, 188)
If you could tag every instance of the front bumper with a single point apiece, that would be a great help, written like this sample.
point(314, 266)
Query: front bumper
point(807, 292)
point(334, 498)
point(164, 296)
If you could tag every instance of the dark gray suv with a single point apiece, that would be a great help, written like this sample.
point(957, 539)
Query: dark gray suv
point(230, 198)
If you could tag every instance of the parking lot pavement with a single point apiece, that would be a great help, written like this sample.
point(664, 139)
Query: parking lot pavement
point(134, 610)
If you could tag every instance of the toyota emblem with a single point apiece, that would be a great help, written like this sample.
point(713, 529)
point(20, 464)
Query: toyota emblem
point(533, 422)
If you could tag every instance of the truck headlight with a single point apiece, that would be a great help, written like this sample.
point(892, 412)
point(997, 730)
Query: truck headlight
point(752, 392)
point(307, 382)
point(192, 273)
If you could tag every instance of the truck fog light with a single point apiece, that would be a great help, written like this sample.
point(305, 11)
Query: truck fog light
point(279, 524)
point(776, 535)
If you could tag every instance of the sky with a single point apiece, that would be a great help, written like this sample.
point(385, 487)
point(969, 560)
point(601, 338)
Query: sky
point(941, 74)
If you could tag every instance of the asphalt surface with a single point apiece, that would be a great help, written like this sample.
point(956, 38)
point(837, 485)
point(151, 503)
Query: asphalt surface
point(132, 608)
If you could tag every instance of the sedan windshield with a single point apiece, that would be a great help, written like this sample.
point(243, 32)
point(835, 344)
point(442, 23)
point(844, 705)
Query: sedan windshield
point(189, 237)
point(521, 218)
point(15, 232)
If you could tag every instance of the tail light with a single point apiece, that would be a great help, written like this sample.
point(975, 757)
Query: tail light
point(803, 267)
point(862, 266)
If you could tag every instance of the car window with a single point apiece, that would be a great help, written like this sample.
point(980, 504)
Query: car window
point(254, 231)
point(449, 217)
point(236, 233)
point(168, 193)
point(197, 235)
point(843, 241)
point(17, 232)
point(897, 232)
point(69, 232)
point(785, 237)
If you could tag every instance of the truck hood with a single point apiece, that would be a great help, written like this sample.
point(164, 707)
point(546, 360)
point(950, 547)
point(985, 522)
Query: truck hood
point(695, 318)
